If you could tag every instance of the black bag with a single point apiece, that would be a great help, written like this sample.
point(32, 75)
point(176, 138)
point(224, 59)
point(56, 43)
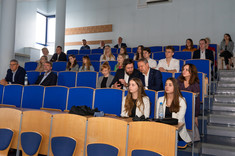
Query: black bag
point(142, 118)
point(169, 121)
point(82, 110)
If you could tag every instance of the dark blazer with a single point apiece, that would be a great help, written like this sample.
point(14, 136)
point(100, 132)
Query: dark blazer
point(209, 55)
point(50, 80)
point(120, 75)
point(85, 47)
point(122, 45)
point(155, 80)
point(62, 57)
point(19, 76)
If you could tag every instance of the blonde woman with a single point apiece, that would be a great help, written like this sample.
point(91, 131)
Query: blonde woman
point(107, 56)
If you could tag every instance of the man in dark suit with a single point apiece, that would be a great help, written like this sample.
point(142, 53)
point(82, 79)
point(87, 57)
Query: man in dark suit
point(59, 55)
point(151, 78)
point(123, 76)
point(48, 78)
point(203, 53)
point(15, 75)
point(120, 44)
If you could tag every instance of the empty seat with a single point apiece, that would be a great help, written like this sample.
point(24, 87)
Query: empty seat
point(95, 57)
point(85, 51)
point(96, 65)
point(183, 55)
point(63, 146)
point(72, 51)
point(101, 150)
point(12, 95)
point(158, 55)
point(30, 66)
point(113, 50)
point(6, 136)
point(156, 48)
point(67, 79)
point(79, 57)
point(97, 51)
point(32, 76)
point(32, 97)
point(86, 79)
point(59, 66)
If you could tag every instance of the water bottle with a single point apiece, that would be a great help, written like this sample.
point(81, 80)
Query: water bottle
point(26, 80)
point(160, 113)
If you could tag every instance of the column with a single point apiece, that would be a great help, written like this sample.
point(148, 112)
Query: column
point(7, 34)
point(60, 23)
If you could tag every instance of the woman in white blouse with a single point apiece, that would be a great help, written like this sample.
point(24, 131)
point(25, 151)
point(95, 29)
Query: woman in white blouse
point(174, 106)
point(136, 103)
point(107, 56)
point(169, 64)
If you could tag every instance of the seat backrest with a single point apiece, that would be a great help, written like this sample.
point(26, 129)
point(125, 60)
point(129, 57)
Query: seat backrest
point(108, 100)
point(114, 50)
point(30, 66)
point(67, 79)
point(181, 64)
point(165, 76)
point(86, 79)
point(152, 136)
point(32, 76)
point(12, 95)
point(112, 64)
point(32, 97)
point(70, 125)
point(144, 152)
point(101, 149)
point(96, 65)
point(152, 96)
point(84, 94)
point(10, 118)
point(85, 51)
point(97, 51)
point(106, 130)
point(59, 66)
point(1, 92)
point(95, 57)
point(183, 55)
point(63, 146)
point(131, 55)
point(30, 142)
point(155, 49)
point(38, 121)
point(134, 50)
point(79, 57)
point(159, 55)
point(55, 97)
point(72, 51)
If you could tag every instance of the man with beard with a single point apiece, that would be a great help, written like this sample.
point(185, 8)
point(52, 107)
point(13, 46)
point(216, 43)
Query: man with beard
point(123, 76)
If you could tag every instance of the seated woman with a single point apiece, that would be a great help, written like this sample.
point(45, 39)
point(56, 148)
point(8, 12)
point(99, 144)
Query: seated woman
point(123, 51)
point(226, 50)
point(189, 45)
point(42, 60)
point(72, 64)
point(120, 59)
point(86, 64)
point(169, 64)
point(189, 81)
point(174, 106)
point(105, 80)
point(139, 54)
point(136, 103)
point(107, 56)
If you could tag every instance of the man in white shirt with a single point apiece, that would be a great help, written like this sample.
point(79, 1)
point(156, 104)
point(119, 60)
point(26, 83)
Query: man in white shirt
point(169, 64)
point(147, 54)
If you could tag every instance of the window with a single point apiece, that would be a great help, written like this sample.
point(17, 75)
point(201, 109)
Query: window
point(45, 29)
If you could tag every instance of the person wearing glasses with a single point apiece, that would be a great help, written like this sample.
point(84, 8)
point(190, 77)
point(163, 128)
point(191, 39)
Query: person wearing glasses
point(15, 75)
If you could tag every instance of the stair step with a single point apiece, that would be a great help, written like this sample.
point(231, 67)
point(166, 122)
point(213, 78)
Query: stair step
point(221, 119)
point(226, 73)
point(226, 85)
point(230, 107)
point(225, 91)
point(227, 79)
point(224, 98)
point(221, 131)
point(219, 150)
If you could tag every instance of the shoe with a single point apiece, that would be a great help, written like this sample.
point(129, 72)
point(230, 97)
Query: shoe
point(232, 65)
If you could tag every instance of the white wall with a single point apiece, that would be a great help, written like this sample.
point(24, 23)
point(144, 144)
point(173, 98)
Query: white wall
point(158, 24)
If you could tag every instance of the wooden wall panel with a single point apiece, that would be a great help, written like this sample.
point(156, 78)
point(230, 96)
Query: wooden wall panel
point(88, 42)
point(89, 29)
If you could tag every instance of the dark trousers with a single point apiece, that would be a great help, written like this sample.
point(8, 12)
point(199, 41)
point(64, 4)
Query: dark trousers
point(227, 55)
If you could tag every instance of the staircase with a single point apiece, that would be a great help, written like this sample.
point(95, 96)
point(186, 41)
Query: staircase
point(220, 138)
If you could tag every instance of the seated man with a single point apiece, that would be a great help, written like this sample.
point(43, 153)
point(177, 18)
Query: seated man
point(123, 76)
point(15, 75)
point(147, 54)
point(151, 78)
point(102, 45)
point(59, 55)
point(120, 44)
point(85, 46)
point(48, 78)
point(169, 64)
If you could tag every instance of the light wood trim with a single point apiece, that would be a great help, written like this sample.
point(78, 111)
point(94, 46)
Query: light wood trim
point(153, 136)
point(51, 109)
point(10, 118)
point(40, 122)
point(89, 29)
point(5, 105)
point(109, 131)
point(5, 152)
point(72, 126)
point(96, 42)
